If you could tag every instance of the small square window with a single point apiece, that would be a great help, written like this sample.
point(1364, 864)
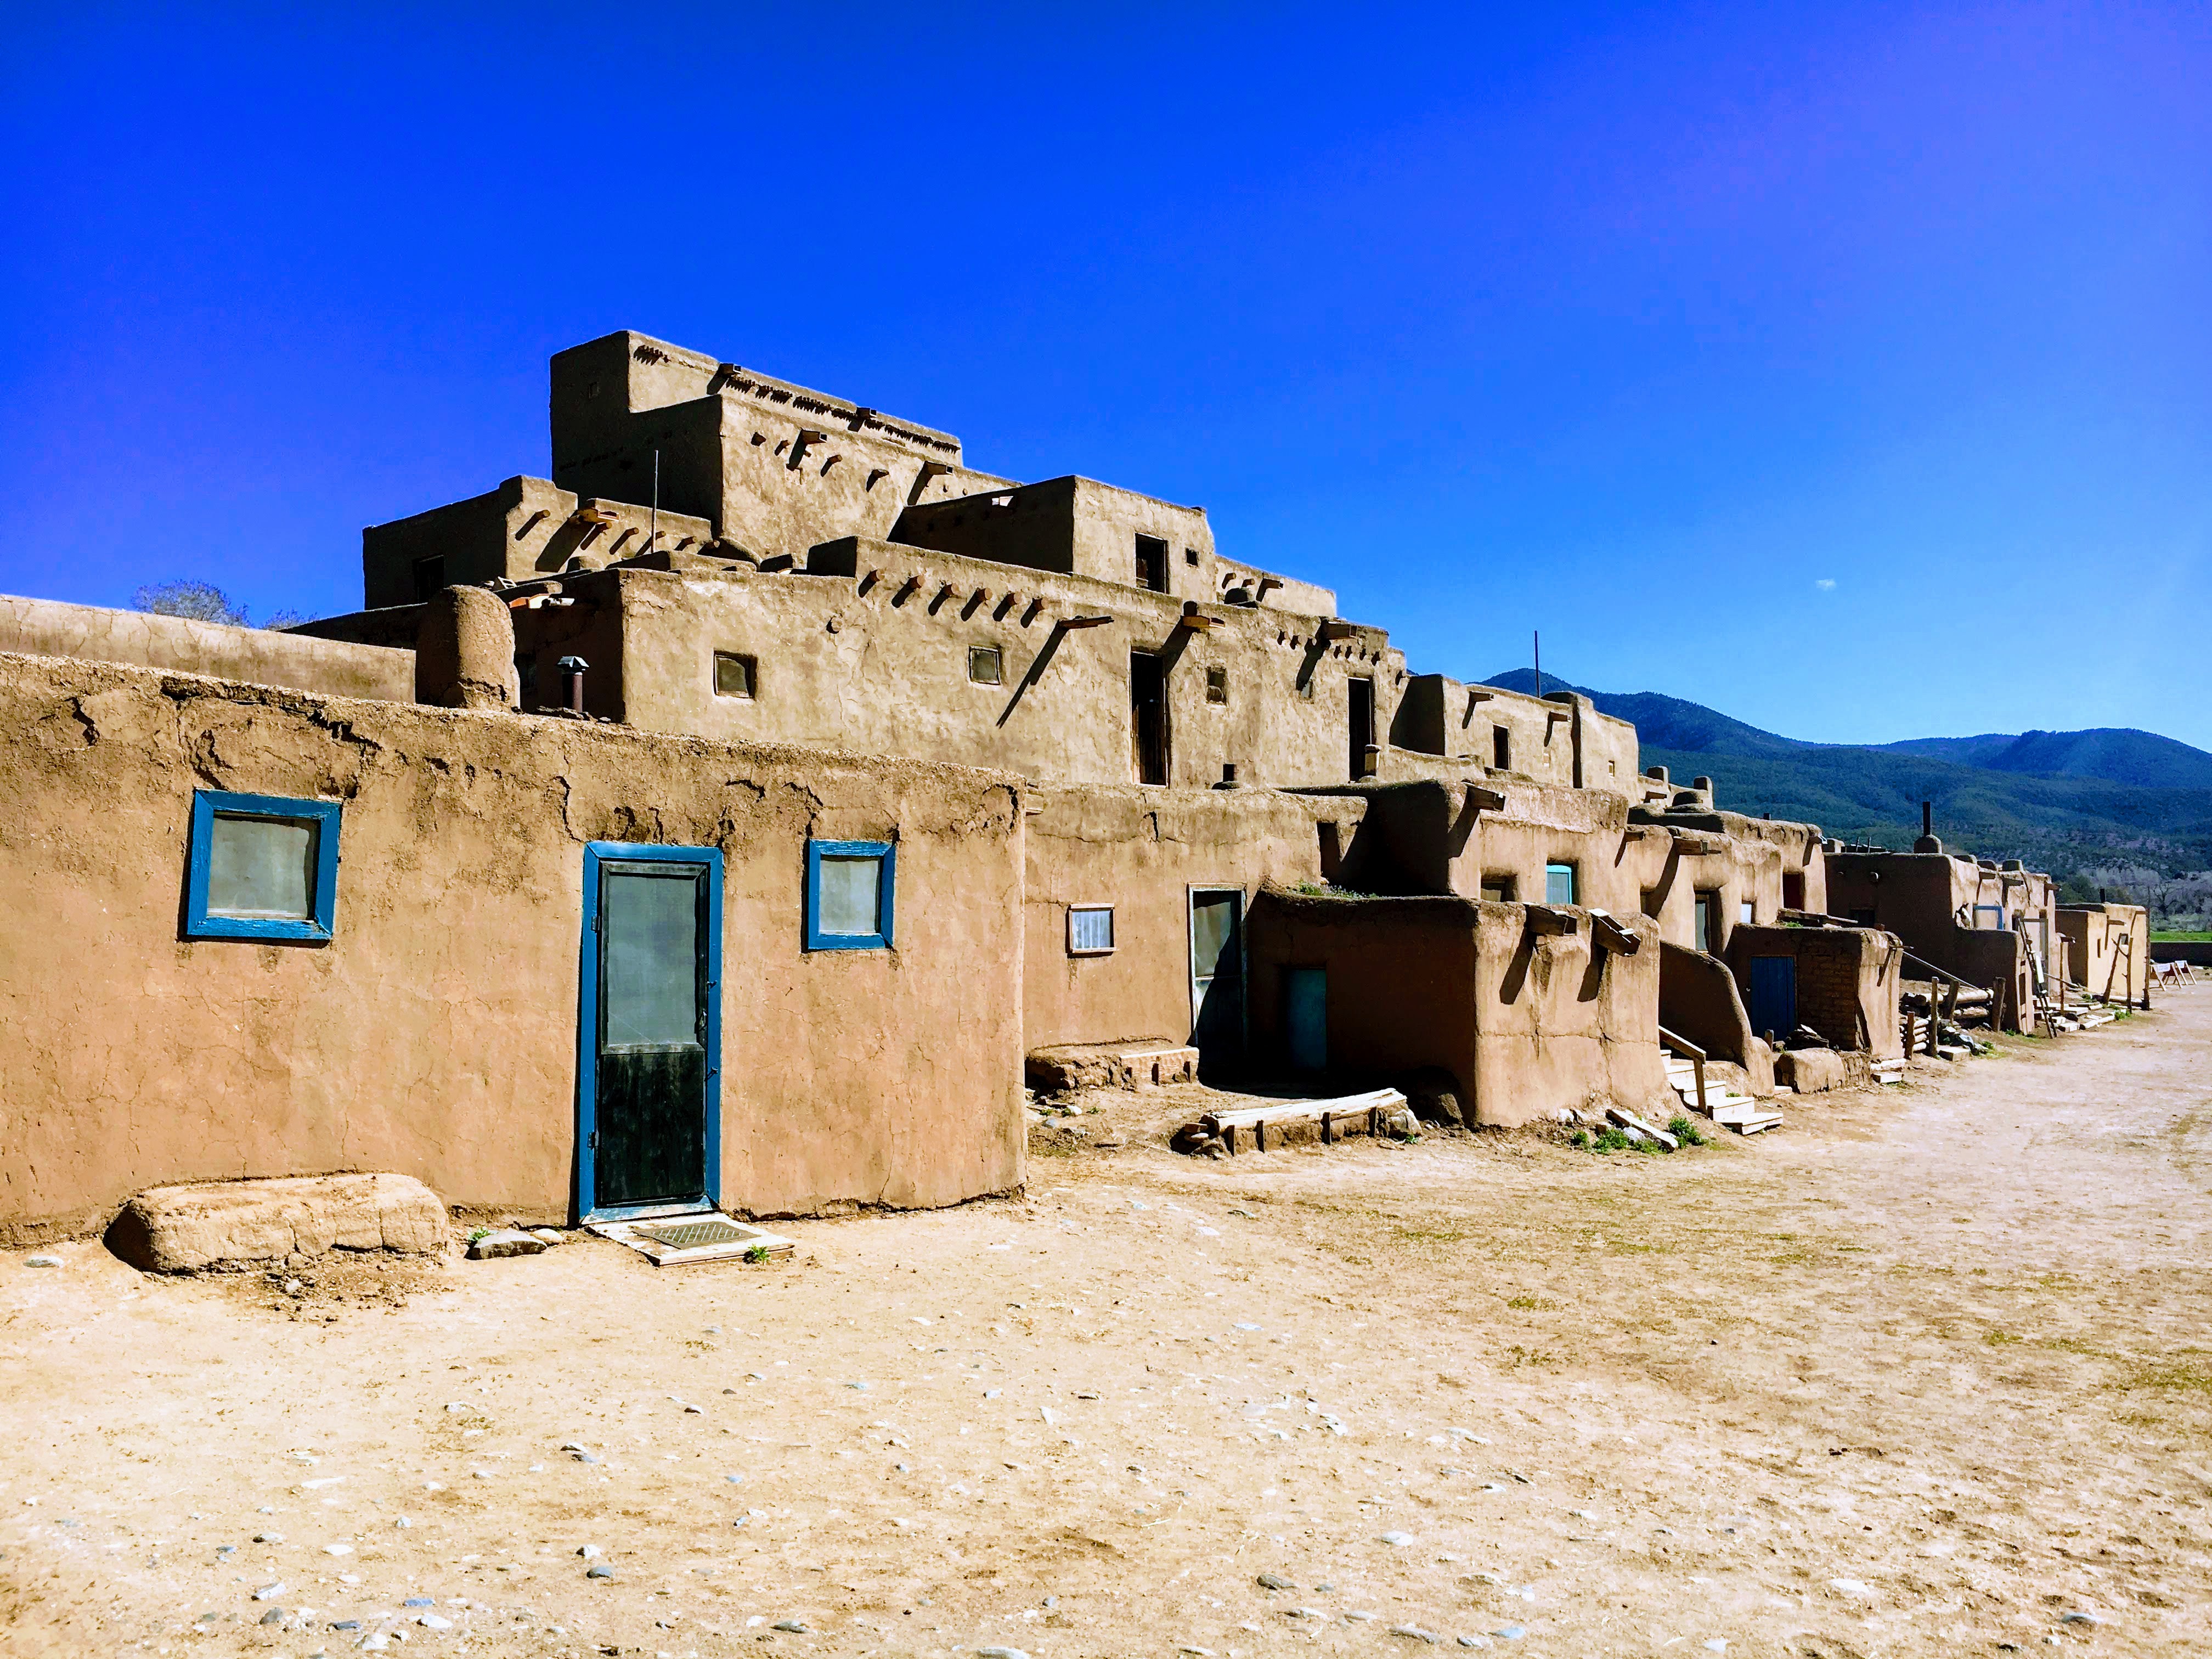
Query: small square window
point(849, 895)
point(1190, 556)
point(1090, 930)
point(734, 676)
point(1558, 884)
point(987, 664)
point(261, 867)
point(1498, 888)
point(1216, 685)
point(1747, 914)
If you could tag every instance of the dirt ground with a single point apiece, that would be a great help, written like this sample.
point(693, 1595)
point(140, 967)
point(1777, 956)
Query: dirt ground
point(1928, 1371)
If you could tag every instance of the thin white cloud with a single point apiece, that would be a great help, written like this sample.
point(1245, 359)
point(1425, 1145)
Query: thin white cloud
point(1826, 583)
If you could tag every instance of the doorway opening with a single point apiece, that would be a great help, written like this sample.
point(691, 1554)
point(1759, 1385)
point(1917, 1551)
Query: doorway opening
point(1148, 715)
point(649, 1035)
point(1362, 727)
point(1217, 973)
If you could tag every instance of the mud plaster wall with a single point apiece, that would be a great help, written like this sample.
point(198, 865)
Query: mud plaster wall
point(1142, 851)
point(1528, 1023)
point(1663, 870)
point(732, 449)
point(47, 628)
point(1848, 980)
point(524, 529)
point(2097, 961)
point(436, 1034)
point(877, 662)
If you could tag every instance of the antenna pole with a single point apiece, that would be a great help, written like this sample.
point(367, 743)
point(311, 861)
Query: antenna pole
point(652, 540)
point(1536, 639)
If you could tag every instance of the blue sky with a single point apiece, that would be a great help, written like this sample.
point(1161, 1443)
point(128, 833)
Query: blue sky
point(1848, 369)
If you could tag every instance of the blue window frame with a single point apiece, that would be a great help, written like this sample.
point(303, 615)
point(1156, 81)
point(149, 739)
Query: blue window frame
point(851, 888)
point(262, 868)
point(1559, 883)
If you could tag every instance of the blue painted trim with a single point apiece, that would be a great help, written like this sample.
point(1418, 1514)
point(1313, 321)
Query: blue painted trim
point(886, 895)
point(316, 929)
point(588, 1022)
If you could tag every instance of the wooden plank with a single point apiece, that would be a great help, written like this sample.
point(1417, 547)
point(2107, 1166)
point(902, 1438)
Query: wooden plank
point(1372, 1104)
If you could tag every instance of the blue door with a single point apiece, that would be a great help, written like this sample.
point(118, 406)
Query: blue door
point(1306, 1017)
point(649, 1031)
point(1773, 995)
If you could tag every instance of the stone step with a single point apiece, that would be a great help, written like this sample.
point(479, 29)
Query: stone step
point(1747, 1117)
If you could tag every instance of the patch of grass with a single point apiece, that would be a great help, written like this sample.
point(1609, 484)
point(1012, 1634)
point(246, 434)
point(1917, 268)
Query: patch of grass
point(2188, 1371)
point(1998, 1339)
point(1580, 1138)
point(1686, 1132)
point(1608, 1139)
point(1524, 1301)
point(757, 1254)
point(1531, 1356)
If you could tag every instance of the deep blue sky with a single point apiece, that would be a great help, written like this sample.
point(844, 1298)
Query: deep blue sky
point(1635, 324)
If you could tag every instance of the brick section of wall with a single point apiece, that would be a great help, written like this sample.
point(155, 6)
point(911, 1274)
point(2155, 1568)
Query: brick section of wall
point(1828, 988)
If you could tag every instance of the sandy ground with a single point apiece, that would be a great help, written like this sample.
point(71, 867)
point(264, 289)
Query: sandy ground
point(1926, 1371)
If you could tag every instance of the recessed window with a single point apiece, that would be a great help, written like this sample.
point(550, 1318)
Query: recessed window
point(1559, 883)
point(1216, 685)
point(1501, 748)
point(261, 867)
point(1747, 914)
point(1190, 556)
point(735, 675)
point(1705, 921)
point(429, 577)
point(1498, 888)
point(1090, 930)
point(1153, 564)
point(849, 891)
point(987, 664)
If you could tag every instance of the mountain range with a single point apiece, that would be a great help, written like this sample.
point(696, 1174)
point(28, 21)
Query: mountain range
point(2112, 803)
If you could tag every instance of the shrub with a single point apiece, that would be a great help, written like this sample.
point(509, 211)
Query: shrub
point(1686, 1132)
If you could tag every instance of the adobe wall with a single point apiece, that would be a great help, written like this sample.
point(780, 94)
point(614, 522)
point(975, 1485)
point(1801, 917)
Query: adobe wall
point(436, 1035)
point(2098, 961)
point(1927, 899)
point(263, 656)
point(1529, 1023)
point(1142, 851)
point(735, 450)
point(1700, 1002)
point(524, 529)
point(1559, 740)
point(878, 662)
point(1848, 980)
point(1673, 856)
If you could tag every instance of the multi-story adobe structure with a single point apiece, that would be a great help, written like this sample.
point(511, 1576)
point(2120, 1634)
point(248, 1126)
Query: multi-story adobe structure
point(725, 816)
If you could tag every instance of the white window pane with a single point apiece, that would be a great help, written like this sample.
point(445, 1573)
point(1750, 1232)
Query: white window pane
point(262, 868)
point(848, 897)
point(649, 926)
point(1090, 929)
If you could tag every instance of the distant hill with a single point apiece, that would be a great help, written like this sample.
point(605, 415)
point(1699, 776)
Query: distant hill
point(2073, 803)
point(2120, 755)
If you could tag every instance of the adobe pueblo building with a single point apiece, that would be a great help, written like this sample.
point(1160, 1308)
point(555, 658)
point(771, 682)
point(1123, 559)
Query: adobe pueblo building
point(735, 818)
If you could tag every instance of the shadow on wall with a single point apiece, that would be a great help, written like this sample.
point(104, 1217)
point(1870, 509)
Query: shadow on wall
point(1698, 1000)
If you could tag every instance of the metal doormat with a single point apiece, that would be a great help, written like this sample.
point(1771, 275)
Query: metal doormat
point(684, 1234)
point(673, 1241)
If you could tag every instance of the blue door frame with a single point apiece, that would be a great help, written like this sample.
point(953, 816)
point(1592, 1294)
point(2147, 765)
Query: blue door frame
point(587, 1026)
